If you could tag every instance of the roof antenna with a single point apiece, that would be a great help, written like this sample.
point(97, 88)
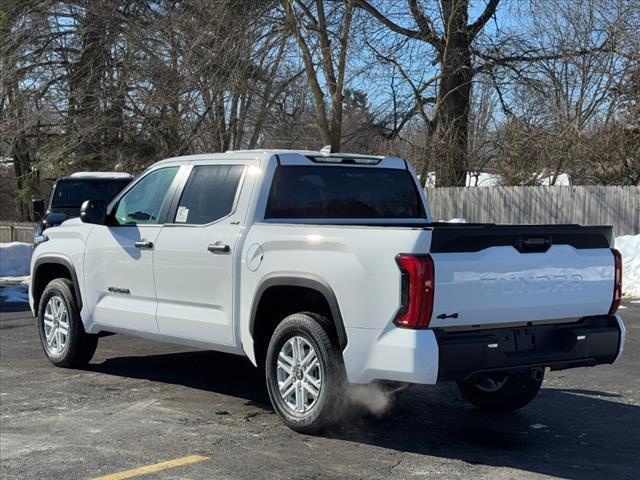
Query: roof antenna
point(326, 150)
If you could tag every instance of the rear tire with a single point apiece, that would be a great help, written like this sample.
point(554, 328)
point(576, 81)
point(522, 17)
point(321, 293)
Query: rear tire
point(62, 334)
point(305, 373)
point(501, 394)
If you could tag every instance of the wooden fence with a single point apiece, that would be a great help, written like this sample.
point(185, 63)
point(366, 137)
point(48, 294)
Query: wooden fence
point(585, 205)
point(16, 232)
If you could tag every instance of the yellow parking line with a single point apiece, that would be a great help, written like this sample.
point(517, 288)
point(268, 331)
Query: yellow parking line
point(178, 462)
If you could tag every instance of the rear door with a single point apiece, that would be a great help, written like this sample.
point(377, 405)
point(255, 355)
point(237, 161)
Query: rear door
point(195, 252)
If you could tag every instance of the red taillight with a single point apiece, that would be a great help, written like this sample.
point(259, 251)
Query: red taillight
point(417, 286)
point(617, 282)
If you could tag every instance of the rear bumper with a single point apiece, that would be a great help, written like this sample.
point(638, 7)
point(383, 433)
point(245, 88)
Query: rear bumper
point(432, 355)
point(588, 342)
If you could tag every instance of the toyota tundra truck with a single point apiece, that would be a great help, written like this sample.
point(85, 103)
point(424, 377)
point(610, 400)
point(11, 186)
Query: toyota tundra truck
point(326, 270)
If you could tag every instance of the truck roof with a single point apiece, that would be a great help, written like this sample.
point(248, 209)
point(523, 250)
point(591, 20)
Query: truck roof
point(267, 153)
point(101, 175)
point(323, 152)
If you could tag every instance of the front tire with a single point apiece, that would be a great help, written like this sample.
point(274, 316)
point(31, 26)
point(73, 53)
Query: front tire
point(305, 373)
point(501, 393)
point(62, 334)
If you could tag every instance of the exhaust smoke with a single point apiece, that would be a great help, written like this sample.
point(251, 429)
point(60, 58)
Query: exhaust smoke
point(375, 399)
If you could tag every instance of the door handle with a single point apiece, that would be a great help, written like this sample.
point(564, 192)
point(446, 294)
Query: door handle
point(218, 248)
point(144, 244)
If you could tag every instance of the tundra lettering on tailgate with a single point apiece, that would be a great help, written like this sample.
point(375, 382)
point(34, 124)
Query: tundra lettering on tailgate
point(518, 284)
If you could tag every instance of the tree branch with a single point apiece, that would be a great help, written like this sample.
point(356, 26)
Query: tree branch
point(424, 33)
point(482, 20)
point(417, 91)
point(492, 62)
point(425, 25)
point(344, 39)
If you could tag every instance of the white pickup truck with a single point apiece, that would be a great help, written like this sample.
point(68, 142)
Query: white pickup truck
point(327, 269)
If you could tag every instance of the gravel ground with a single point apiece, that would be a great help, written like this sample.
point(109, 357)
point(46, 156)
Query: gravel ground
point(140, 403)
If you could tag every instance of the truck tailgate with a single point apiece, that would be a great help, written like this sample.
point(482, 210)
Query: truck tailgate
point(491, 275)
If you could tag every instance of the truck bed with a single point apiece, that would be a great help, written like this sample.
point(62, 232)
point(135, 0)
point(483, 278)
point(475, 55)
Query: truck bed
point(473, 237)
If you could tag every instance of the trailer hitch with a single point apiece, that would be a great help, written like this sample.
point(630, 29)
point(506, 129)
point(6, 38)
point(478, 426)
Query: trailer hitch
point(537, 374)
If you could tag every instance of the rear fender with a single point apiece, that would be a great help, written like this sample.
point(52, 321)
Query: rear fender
point(303, 281)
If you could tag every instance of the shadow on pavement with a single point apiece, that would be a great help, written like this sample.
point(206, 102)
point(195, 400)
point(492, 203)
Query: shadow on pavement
point(565, 433)
point(562, 433)
point(212, 371)
point(14, 297)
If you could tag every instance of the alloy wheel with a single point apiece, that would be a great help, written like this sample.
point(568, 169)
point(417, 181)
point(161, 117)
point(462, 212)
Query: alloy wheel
point(299, 374)
point(56, 325)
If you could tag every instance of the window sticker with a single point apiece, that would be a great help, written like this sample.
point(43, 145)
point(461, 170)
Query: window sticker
point(182, 214)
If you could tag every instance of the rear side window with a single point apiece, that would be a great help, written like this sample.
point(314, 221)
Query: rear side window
point(209, 194)
point(342, 192)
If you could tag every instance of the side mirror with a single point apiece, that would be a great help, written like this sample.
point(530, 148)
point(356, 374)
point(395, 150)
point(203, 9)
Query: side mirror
point(38, 208)
point(93, 211)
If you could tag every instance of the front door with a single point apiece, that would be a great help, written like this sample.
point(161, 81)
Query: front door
point(194, 255)
point(119, 257)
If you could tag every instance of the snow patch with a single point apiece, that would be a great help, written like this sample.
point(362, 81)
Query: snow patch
point(15, 259)
point(23, 280)
point(629, 247)
point(485, 179)
point(561, 181)
point(482, 179)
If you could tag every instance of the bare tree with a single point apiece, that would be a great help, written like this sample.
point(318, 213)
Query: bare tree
point(314, 30)
point(456, 86)
point(460, 50)
point(452, 49)
point(565, 103)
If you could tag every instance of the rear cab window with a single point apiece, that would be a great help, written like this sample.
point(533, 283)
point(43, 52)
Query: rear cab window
point(343, 192)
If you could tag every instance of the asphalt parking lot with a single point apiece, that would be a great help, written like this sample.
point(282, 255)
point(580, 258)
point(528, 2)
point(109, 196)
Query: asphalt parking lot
point(142, 403)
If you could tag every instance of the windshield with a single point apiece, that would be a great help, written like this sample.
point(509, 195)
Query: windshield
point(71, 193)
point(341, 192)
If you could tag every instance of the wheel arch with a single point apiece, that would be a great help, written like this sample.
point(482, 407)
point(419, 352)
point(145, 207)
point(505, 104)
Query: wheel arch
point(49, 267)
point(277, 285)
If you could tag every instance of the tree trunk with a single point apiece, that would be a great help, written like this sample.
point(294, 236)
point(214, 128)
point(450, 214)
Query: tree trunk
point(22, 168)
point(452, 115)
point(86, 84)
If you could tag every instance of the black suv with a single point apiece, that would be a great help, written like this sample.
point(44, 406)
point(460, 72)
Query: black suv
point(69, 193)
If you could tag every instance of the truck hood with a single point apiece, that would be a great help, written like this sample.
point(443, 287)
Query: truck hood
point(59, 215)
point(72, 222)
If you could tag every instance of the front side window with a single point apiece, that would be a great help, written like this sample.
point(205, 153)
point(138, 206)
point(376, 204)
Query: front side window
point(209, 194)
point(341, 192)
point(142, 204)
